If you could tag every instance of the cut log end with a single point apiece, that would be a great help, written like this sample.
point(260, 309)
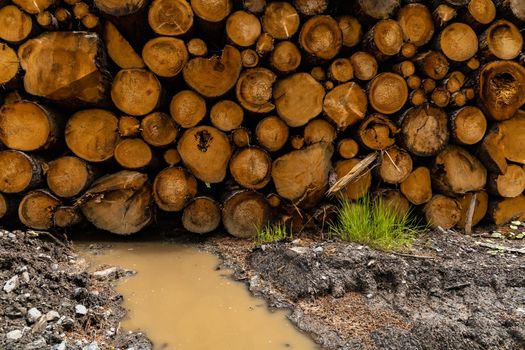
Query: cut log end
point(321, 37)
point(136, 91)
point(250, 167)
point(68, 176)
point(187, 108)
point(173, 188)
point(201, 215)
point(170, 17)
point(442, 211)
point(388, 93)
point(36, 210)
point(19, 172)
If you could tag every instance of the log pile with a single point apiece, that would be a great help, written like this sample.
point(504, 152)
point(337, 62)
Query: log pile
point(242, 112)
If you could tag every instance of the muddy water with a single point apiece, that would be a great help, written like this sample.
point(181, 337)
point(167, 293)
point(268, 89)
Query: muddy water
point(182, 301)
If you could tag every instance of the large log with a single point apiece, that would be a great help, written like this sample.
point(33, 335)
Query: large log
point(345, 105)
point(158, 129)
point(170, 17)
point(417, 187)
point(136, 92)
point(9, 63)
point(165, 56)
point(468, 125)
point(37, 208)
point(254, 90)
point(201, 215)
point(395, 165)
point(15, 25)
point(508, 185)
point(68, 176)
point(387, 93)
point(133, 153)
point(442, 211)
point(19, 172)
point(250, 167)
point(226, 115)
point(272, 133)
point(513, 138)
point(280, 20)
point(321, 37)
point(377, 132)
point(244, 212)
point(173, 188)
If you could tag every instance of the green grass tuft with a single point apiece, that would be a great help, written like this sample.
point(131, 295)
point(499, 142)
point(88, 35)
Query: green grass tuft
point(272, 233)
point(369, 221)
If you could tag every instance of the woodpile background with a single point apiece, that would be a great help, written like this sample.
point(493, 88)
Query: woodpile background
point(210, 112)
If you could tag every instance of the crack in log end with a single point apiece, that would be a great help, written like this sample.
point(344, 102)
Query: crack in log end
point(203, 139)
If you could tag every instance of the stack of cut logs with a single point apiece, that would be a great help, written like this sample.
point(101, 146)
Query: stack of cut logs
point(243, 112)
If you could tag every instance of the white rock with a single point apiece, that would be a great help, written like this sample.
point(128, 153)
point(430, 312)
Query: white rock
point(33, 315)
point(299, 250)
point(80, 310)
point(11, 284)
point(105, 273)
point(25, 276)
point(318, 249)
point(14, 335)
point(52, 316)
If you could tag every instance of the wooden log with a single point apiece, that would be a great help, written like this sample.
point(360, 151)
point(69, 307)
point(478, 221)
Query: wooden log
point(502, 40)
point(253, 6)
point(508, 185)
point(206, 152)
point(394, 201)
point(311, 7)
point(226, 115)
point(158, 129)
point(513, 138)
point(165, 56)
point(244, 213)
point(120, 203)
point(298, 99)
point(133, 153)
point(360, 186)
point(341, 70)
point(254, 90)
point(63, 17)
point(136, 92)
point(478, 13)
point(384, 39)
point(378, 9)
point(187, 108)
point(9, 63)
point(92, 134)
point(456, 171)
point(47, 21)
point(433, 64)
point(345, 105)
point(443, 14)
point(91, 22)
point(286, 57)
point(211, 11)
point(170, 17)
point(417, 187)
point(480, 208)
point(428, 85)
point(19, 172)
point(67, 216)
point(351, 30)
point(458, 42)
point(215, 76)
point(241, 137)
point(395, 165)
point(264, 45)
point(424, 130)
point(197, 47)
point(201, 215)
point(249, 58)
point(388, 93)
point(442, 211)
point(65, 66)
point(80, 10)
point(15, 25)
point(491, 152)
point(272, 133)
point(321, 37)
point(121, 7)
point(297, 141)
point(440, 97)
point(348, 148)
point(405, 68)
point(173, 188)
point(514, 9)
point(8, 206)
point(243, 28)
point(502, 89)
point(377, 132)
point(68, 176)
point(502, 211)
point(319, 130)
point(34, 6)
point(36, 210)
point(318, 73)
point(250, 167)
point(468, 125)
point(454, 81)
point(280, 20)
point(302, 176)
point(28, 126)
point(414, 82)
point(128, 126)
point(172, 157)
point(416, 24)
point(418, 97)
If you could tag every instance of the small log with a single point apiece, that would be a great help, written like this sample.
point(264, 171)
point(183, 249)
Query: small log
point(319, 130)
point(37, 208)
point(456, 171)
point(424, 130)
point(172, 157)
point(508, 185)
point(92, 134)
point(226, 115)
point(9, 63)
point(286, 57)
point(63, 17)
point(119, 49)
point(187, 108)
point(165, 56)
point(254, 90)
point(214, 11)
point(249, 58)
point(135, 91)
point(120, 203)
point(348, 148)
point(197, 47)
point(442, 211)
point(416, 24)
point(244, 213)
point(468, 125)
point(34, 6)
point(513, 138)
point(133, 154)
point(298, 99)
point(201, 215)
point(408, 50)
point(318, 73)
point(360, 186)
point(243, 28)
point(405, 68)
point(365, 65)
point(433, 63)
point(264, 45)
point(173, 188)
point(206, 152)
point(443, 14)
point(170, 17)
point(394, 201)
point(414, 82)
point(297, 141)
point(272, 133)
point(502, 211)
point(502, 40)
point(215, 76)
point(15, 25)
point(502, 88)
point(428, 85)
point(345, 105)
point(478, 13)
point(454, 81)
point(20, 172)
point(91, 22)
point(80, 10)
point(384, 39)
point(395, 165)
point(351, 30)
point(418, 97)
point(28, 126)
point(241, 137)
point(440, 97)
point(491, 152)
point(458, 42)
point(458, 99)
point(280, 20)
point(47, 21)
point(417, 187)
point(341, 70)
point(158, 129)
point(387, 93)
point(67, 216)
point(480, 208)
point(69, 176)
point(128, 126)
point(65, 66)
point(321, 37)
point(377, 132)
point(250, 167)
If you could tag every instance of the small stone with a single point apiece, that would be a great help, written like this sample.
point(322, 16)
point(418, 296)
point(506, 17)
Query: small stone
point(14, 335)
point(516, 222)
point(37, 344)
point(299, 250)
point(80, 310)
point(318, 249)
point(513, 227)
point(52, 316)
point(91, 346)
point(33, 315)
point(11, 284)
point(11, 235)
point(25, 276)
point(107, 273)
point(61, 346)
point(67, 324)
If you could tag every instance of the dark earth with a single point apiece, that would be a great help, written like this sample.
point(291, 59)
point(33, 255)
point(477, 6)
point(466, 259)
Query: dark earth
point(450, 291)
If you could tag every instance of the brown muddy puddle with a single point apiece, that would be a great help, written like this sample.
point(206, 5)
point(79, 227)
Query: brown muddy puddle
point(182, 301)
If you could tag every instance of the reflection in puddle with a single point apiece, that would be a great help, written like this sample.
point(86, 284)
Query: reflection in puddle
point(183, 302)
